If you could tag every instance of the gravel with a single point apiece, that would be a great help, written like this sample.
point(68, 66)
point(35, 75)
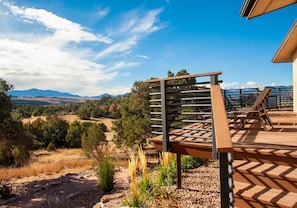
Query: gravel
point(200, 188)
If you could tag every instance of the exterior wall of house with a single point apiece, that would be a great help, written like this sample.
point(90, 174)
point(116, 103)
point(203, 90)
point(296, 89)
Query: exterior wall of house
point(295, 81)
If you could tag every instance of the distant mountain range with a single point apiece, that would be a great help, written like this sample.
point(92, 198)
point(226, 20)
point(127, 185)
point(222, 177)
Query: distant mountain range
point(48, 93)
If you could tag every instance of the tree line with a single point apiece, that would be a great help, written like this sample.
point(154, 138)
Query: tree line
point(17, 139)
point(106, 106)
point(132, 123)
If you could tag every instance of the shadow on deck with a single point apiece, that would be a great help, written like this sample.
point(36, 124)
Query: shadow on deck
point(189, 118)
point(282, 136)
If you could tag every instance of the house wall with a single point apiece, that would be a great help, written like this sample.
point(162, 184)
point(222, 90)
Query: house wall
point(295, 81)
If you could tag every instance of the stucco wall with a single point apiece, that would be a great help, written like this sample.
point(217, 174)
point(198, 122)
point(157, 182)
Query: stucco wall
point(295, 82)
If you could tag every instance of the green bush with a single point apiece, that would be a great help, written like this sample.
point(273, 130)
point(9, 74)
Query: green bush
point(6, 157)
point(92, 139)
point(167, 171)
point(189, 162)
point(106, 170)
point(51, 147)
point(134, 201)
point(167, 174)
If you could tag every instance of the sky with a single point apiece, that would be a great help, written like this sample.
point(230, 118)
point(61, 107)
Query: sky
point(93, 47)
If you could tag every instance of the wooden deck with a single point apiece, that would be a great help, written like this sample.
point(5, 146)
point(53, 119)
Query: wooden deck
point(265, 162)
point(283, 133)
point(282, 136)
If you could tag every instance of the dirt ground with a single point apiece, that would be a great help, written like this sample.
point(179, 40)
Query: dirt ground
point(78, 188)
point(45, 190)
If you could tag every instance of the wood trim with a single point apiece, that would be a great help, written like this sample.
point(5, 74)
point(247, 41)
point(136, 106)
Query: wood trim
point(221, 127)
point(185, 76)
point(187, 148)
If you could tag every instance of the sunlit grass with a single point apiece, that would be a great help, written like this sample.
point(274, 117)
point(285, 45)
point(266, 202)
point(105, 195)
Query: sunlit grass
point(43, 162)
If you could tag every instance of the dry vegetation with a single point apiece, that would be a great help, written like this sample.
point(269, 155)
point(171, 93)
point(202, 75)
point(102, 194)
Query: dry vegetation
point(43, 162)
point(58, 162)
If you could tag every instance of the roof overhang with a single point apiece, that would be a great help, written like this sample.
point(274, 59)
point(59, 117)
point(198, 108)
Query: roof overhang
point(288, 46)
point(254, 8)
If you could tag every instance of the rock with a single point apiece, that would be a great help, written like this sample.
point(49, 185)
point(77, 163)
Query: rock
point(98, 205)
point(108, 197)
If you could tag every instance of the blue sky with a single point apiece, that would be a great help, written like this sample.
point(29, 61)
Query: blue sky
point(93, 47)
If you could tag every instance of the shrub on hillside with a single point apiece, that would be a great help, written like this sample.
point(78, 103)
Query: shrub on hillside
point(105, 172)
point(51, 147)
point(91, 140)
point(74, 134)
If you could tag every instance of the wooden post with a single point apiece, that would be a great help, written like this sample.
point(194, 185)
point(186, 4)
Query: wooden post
point(178, 170)
point(224, 188)
point(165, 133)
point(214, 81)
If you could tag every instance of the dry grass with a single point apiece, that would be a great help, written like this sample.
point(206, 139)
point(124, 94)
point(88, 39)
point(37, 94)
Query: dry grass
point(71, 118)
point(48, 163)
point(61, 161)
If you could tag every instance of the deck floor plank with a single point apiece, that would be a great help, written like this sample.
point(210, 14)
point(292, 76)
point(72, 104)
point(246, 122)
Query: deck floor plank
point(281, 140)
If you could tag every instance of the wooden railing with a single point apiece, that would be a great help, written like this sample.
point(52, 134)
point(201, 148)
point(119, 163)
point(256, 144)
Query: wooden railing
point(185, 107)
point(220, 123)
point(177, 104)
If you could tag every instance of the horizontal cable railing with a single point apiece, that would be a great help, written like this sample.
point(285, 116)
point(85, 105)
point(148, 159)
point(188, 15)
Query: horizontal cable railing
point(281, 97)
point(185, 109)
point(186, 103)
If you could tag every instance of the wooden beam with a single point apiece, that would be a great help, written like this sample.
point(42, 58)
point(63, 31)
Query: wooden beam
point(165, 129)
point(220, 123)
point(185, 76)
point(187, 148)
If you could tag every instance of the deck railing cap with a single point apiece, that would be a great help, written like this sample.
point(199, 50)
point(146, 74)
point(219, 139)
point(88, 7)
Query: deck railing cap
point(185, 76)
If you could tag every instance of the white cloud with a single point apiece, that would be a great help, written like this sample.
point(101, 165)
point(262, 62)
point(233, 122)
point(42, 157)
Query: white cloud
point(121, 46)
point(41, 67)
point(230, 85)
point(121, 64)
point(146, 24)
point(142, 56)
point(118, 90)
point(63, 55)
point(63, 29)
point(104, 12)
point(134, 28)
point(236, 85)
point(251, 84)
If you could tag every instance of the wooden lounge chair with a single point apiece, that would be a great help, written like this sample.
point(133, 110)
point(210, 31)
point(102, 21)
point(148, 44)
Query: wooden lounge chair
point(256, 111)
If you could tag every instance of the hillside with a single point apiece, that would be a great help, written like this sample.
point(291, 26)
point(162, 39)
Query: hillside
point(48, 97)
point(49, 93)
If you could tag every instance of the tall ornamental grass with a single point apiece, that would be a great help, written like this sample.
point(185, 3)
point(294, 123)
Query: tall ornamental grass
point(105, 172)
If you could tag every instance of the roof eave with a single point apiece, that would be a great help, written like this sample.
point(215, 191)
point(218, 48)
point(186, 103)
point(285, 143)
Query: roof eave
point(246, 7)
point(254, 8)
point(287, 49)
